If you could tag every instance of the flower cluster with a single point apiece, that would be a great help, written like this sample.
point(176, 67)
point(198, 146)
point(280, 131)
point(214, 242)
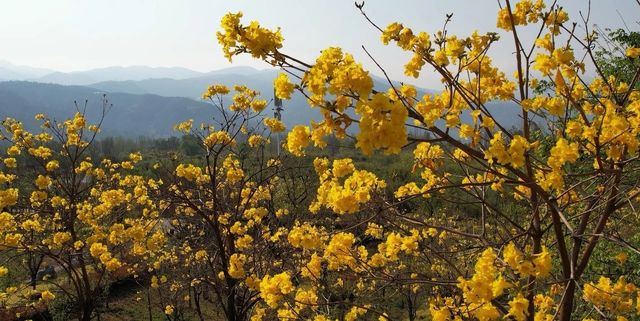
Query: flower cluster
point(343, 188)
point(258, 41)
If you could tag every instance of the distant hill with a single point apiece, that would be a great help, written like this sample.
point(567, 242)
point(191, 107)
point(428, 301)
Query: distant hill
point(9, 71)
point(296, 110)
point(116, 74)
point(193, 87)
point(131, 115)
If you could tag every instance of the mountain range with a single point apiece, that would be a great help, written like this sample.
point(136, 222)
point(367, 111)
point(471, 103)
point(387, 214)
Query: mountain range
point(127, 115)
point(9, 71)
point(148, 101)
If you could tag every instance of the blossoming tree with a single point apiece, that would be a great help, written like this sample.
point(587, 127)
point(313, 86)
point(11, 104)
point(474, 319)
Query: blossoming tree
point(228, 222)
point(92, 221)
point(569, 172)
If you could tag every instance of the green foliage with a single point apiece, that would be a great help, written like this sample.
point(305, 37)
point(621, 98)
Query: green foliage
point(611, 58)
point(62, 308)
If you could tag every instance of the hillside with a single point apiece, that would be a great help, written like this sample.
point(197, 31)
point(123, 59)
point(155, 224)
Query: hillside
point(9, 71)
point(296, 110)
point(130, 115)
point(115, 73)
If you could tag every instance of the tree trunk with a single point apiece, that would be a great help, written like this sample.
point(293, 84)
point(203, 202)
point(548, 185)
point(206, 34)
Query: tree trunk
point(86, 310)
point(411, 308)
point(196, 300)
point(149, 305)
point(34, 279)
point(566, 309)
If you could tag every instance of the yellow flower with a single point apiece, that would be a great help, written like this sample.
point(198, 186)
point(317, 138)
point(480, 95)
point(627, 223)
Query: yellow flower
point(97, 249)
point(391, 32)
point(7, 221)
point(621, 258)
point(414, 66)
point(298, 140)
point(168, 310)
point(518, 307)
point(344, 197)
point(216, 89)
point(497, 150)
point(346, 78)
point(233, 168)
point(354, 313)
point(244, 242)
point(282, 212)
point(274, 124)
point(563, 152)
point(258, 41)
point(52, 165)
point(480, 288)
point(218, 137)
point(313, 268)
point(255, 140)
point(512, 256)
point(236, 265)
point(305, 236)
point(42, 182)
point(184, 127)
point(440, 58)
point(40, 152)
point(112, 264)
point(258, 105)
point(61, 237)
point(374, 230)
point(517, 149)
point(439, 314)
point(542, 263)
point(258, 314)
point(188, 172)
point(78, 245)
point(47, 296)
point(544, 63)
point(8, 197)
point(273, 288)
point(306, 297)
point(13, 150)
point(382, 125)
point(338, 251)
point(342, 167)
point(633, 52)
point(10, 162)
point(283, 87)
point(613, 297)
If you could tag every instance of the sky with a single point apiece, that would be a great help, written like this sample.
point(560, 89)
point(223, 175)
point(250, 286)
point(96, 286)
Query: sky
point(73, 35)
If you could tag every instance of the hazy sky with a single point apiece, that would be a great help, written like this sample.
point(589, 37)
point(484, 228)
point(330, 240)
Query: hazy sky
point(72, 35)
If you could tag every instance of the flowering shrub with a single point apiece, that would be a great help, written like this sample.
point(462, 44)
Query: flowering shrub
point(93, 221)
